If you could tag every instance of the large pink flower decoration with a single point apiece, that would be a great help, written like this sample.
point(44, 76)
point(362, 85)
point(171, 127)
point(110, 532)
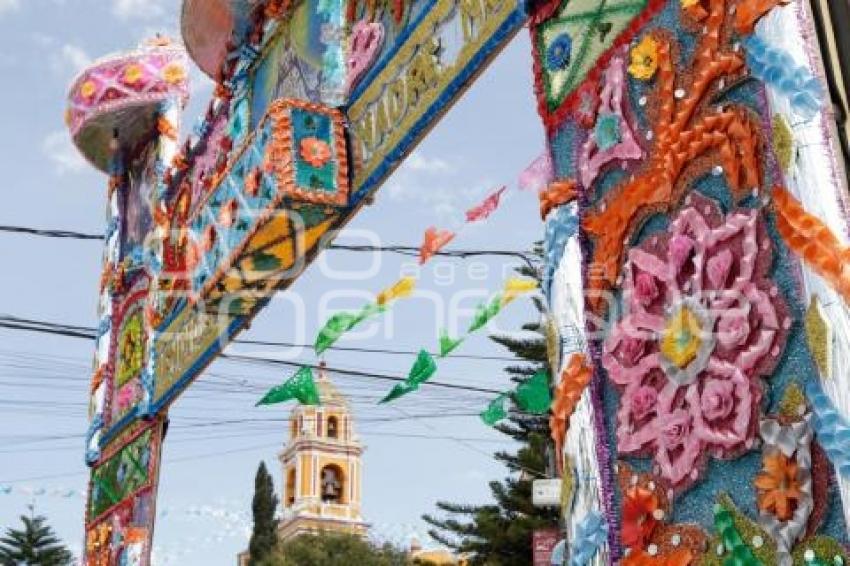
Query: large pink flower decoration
point(702, 325)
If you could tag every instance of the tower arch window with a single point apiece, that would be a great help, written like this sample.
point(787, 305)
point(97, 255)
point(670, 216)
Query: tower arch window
point(333, 427)
point(293, 428)
point(333, 484)
point(290, 487)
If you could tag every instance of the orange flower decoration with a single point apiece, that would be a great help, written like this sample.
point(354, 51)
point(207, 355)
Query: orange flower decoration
point(779, 486)
point(174, 73)
point(639, 516)
point(133, 74)
point(315, 152)
point(88, 90)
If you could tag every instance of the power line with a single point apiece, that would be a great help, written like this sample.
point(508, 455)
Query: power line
point(64, 330)
point(50, 233)
point(399, 249)
point(17, 323)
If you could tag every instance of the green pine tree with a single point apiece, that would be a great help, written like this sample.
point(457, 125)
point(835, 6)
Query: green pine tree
point(35, 545)
point(264, 505)
point(500, 534)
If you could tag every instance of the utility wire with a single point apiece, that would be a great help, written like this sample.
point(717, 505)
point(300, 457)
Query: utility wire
point(50, 233)
point(399, 249)
point(64, 330)
point(15, 323)
point(88, 330)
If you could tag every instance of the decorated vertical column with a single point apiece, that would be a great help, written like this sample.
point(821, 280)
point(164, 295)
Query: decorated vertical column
point(713, 229)
point(124, 114)
point(573, 414)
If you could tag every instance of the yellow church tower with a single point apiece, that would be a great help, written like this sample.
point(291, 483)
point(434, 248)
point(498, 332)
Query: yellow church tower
point(321, 467)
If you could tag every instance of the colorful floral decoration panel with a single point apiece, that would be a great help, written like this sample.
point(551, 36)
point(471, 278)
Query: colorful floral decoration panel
point(676, 123)
point(302, 61)
point(121, 506)
point(295, 159)
point(130, 354)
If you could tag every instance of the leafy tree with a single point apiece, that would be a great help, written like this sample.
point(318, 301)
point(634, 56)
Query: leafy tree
point(35, 545)
point(264, 505)
point(328, 549)
point(500, 534)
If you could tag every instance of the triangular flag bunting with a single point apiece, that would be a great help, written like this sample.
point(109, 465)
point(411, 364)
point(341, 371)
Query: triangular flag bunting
point(486, 208)
point(400, 290)
point(485, 313)
point(400, 390)
point(516, 286)
point(448, 344)
point(422, 369)
point(534, 396)
point(435, 240)
point(538, 174)
point(495, 411)
point(342, 322)
point(300, 386)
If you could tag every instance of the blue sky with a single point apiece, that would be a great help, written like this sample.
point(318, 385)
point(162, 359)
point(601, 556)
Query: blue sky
point(207, 479)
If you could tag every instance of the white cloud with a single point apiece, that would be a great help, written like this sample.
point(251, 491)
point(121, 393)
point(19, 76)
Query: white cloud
point(137, 9)
point(9, 6)
point(75, 56)
point(59, 149)
point(435, 183)
point(66, 59)
point(418, 162)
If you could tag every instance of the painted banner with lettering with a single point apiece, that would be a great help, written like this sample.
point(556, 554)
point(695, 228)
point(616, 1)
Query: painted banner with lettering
point(434, 60)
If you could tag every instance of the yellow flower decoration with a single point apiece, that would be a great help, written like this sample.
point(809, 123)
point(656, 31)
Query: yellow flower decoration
point(174, 73)
point(644, 59)
point(133, 74)
point(88, 89)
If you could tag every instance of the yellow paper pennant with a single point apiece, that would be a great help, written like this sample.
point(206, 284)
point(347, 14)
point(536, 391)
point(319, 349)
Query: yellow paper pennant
point(516, 286)
point(400, 290)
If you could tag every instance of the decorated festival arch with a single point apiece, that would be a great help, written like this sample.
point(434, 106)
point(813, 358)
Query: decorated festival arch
point(694, 195)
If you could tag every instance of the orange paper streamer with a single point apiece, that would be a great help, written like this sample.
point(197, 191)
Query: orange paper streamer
point(166, 128)
point(686, 129)
point(751, 11)
point(556, 194)
point(808, 237)
point(574, 379)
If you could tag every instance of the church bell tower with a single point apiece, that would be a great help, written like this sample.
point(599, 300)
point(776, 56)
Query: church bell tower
point(321, 467)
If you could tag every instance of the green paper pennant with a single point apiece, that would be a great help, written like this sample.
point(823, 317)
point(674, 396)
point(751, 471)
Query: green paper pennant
point(485, 313)
point(422, 369)
point(448, 344)
point(534, 395)
point(400, 390)
point(342, 322)
point(300, 386)
point(495, 411)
